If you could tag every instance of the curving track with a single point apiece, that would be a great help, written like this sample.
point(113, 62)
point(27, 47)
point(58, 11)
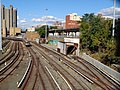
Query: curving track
point(11, 73)
point(13, 58)
point(45, 69)
point(87, 71)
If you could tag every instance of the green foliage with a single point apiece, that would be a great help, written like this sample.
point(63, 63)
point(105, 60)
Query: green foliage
point(117, 36)
point(41, 31)
point(53, 27)
point(96, 36)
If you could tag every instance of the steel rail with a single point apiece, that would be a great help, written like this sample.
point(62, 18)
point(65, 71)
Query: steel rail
point(53, 78)
point(25, 74)
point(101, 82)
point(52, 63)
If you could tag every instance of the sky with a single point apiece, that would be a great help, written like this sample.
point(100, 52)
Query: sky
point(35, 12)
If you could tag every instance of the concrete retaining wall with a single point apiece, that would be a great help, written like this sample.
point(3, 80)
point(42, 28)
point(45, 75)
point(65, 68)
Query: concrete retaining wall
point(114, 74)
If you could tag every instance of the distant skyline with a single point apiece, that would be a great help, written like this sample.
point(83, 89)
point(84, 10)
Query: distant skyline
point(34, 12)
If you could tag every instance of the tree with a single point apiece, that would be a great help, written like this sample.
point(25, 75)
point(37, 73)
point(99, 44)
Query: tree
point(96, 36)
point(41, 31)
point(53, 27)
point(117, 36)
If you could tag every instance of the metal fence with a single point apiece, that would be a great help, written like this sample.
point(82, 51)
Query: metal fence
point(110, 72)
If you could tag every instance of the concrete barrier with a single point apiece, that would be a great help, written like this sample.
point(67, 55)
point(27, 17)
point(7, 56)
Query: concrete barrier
point(112, 73)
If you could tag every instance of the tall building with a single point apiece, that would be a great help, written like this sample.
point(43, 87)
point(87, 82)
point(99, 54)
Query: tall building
point(4, 31)
point(2, 14)
point(14, 17)
point(72, 21)
point(8, 18)
point(11, 16)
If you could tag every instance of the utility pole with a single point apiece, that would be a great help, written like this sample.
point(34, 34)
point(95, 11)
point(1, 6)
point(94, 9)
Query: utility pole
point(46, 32)
point(46, 28)
point(113, 31)
point(0, 29)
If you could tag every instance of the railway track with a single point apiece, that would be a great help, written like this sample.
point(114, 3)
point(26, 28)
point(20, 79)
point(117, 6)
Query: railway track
point(14, 61)
point(11, 77)
point(6, 57)
point(74, 83)
point(94, 75)
point(40, 75)
point(49, 70)
point(97, 73)
point(5, 43)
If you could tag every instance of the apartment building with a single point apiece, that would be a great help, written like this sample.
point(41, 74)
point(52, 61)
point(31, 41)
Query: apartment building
point(8, 19)
point(72, 21)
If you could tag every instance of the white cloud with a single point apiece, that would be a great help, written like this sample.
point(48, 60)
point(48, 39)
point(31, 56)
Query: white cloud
point(111, 17)
point(108, 12)
point(23, 21)
point(24, 25)
point(47, 19)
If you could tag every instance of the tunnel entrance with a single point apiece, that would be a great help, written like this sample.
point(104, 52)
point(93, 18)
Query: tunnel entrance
point(71, 50)
point(69, 46)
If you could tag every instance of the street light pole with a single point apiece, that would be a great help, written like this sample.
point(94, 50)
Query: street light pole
point(113, 32)
point(46, 29)
point(0, 28)
point(46, 32)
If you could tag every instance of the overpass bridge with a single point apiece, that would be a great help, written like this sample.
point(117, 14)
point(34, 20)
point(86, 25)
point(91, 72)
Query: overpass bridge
point(61, 33)
point(67, 40)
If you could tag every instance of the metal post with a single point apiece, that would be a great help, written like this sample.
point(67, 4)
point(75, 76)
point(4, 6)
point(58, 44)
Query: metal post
point(46, 32)
point(0, 29)
point(114, 18)
point(46, 29)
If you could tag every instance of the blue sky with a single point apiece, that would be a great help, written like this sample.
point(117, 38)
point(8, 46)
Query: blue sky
point(33, 12)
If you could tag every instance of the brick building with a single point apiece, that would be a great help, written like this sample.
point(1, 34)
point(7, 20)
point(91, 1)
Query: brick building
point(72, 21)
